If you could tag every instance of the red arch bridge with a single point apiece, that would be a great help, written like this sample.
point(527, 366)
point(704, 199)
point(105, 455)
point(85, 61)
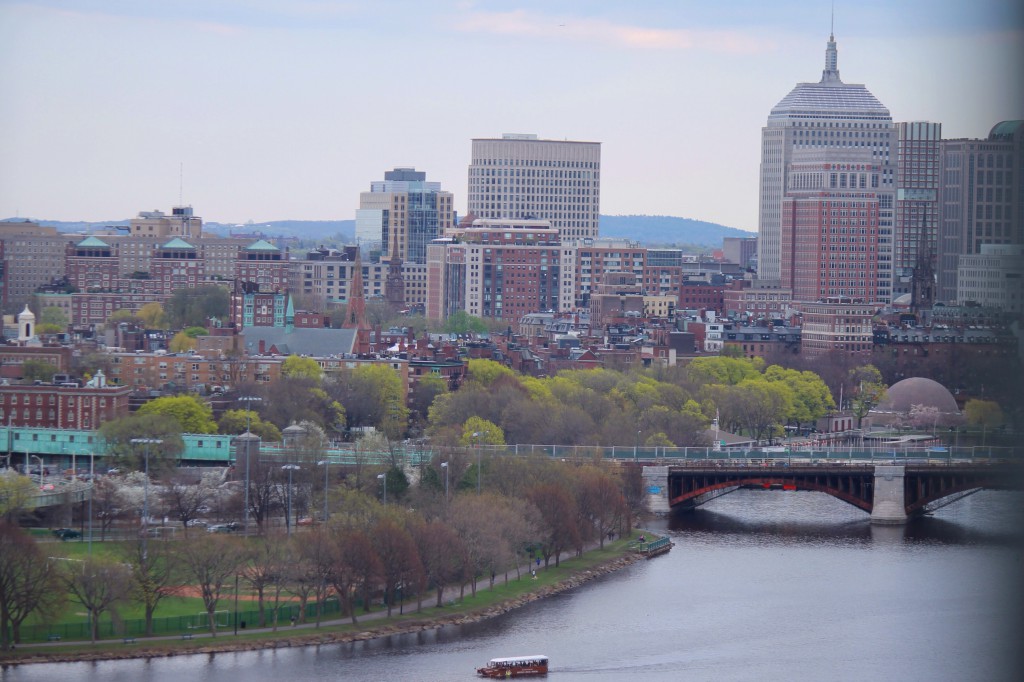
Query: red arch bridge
point(889, 492)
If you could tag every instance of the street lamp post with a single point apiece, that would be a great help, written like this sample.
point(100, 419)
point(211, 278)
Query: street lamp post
point(383, 478)
point(444, 465)
point(325, 464)
point(92, 488)
point(248, 400)
point(236, 604)
point(476, 434)
point(145, 494)
point(40, 470)
point(288, 518)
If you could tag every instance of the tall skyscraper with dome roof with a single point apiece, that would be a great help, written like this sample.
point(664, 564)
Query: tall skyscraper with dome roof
point(844, 131)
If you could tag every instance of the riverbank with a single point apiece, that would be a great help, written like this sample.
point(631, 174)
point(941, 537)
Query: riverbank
point(490, 602)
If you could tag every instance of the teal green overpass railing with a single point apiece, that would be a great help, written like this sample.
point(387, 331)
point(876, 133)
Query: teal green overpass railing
point(672, 454)
point(61, 446)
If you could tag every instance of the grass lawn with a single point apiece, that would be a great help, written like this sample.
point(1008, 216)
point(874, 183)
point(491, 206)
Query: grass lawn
point(485, 598)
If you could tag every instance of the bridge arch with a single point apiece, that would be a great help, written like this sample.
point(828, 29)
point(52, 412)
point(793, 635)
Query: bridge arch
point(706, 493)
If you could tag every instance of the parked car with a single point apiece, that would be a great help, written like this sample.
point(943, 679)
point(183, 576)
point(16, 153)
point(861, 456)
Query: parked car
point(66, 534)
point(305, 521)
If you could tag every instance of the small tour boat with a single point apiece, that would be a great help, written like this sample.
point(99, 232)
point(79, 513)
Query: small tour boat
point(517, 666)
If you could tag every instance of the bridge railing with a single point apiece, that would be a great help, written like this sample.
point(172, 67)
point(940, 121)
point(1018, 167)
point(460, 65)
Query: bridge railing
point(847, 453)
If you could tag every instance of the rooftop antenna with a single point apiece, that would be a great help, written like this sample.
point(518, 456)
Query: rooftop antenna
point(832, 27)
point(181, 181)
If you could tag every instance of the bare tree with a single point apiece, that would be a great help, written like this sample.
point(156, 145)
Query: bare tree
point(153, 565)
point(472, 519)
point(441, 552)
point(209, 562)
point(313, 567)
point(355, 567)
point(600, 501)
point(28, 583)
point(398, 555)
point(558, 511)
point(109, 503)
point(98, 584)
point(266, 569)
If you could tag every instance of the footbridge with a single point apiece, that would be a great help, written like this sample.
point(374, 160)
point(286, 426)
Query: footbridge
point(889, 492)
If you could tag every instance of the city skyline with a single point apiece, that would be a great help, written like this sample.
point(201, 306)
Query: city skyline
point(272, 110)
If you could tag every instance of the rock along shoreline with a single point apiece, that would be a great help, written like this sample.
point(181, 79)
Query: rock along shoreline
point(165, 650)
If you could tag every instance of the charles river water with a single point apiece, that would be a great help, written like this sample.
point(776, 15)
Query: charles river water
point(768, 585)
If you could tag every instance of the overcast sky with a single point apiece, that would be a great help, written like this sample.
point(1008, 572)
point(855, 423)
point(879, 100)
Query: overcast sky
point(281, 109)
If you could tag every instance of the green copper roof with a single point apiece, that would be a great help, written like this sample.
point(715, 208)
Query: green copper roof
point(1005, 129)
point(90, 242)
point(261, 245)
point(177, 243)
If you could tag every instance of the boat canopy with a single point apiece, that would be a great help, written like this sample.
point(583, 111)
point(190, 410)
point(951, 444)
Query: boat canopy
point(518, 659)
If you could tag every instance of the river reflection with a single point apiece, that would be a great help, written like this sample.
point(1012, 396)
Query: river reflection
point(761, 585)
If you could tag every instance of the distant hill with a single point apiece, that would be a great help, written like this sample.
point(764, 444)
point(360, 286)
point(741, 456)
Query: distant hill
point(646, 229)
point(662, 229)
point(303, 229)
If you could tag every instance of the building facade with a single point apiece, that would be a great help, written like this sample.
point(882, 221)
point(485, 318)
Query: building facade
point(993, 278)
point(830, 226)
point(406, 211)
point(837, 324)
point(494, 269)
point(915, 236)
point(982, 197)
point(521, 177)
point(827, 117)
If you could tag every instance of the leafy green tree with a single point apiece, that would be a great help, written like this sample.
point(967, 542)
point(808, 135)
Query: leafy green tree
point(194, 307)
point(297, 399)
point(191, 413)
point(477, 431)
point(811, 397)
point(119, 433)
point(984, 413)
point(122, 315)
point(869, 390)
point(295, 367)
point(152, 316)
point(16, 492)
point(54, 316)
point(373, 395)
point(195, 332)
point(181, 343)
point(37, 370)
point(486, 372)
point(724, 370)
point(427, 388)
point(236, 421)
point(462, 322)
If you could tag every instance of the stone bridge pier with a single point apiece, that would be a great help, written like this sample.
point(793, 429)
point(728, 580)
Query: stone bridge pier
point(656, 488)
point(890, 504)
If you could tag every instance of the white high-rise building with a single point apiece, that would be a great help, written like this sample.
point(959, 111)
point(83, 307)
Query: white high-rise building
point(827, 116)
point(520, 177)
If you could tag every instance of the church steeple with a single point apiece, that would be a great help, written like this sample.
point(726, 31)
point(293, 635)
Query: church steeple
point(356, 318)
